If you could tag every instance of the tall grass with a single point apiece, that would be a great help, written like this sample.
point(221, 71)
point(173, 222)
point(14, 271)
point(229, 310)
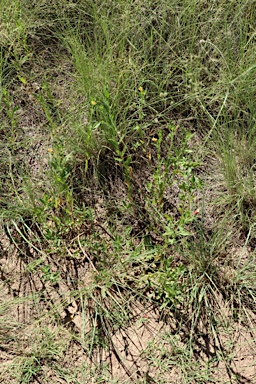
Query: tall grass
point(127, 184)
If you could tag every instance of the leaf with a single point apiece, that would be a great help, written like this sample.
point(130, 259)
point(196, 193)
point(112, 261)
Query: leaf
point(22, 79)
point(183, 232)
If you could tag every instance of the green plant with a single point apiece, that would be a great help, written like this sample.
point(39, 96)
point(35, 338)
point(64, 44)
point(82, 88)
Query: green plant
point(237, 165)
point(174, 168)
point(48, 275)
point(11, 112)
